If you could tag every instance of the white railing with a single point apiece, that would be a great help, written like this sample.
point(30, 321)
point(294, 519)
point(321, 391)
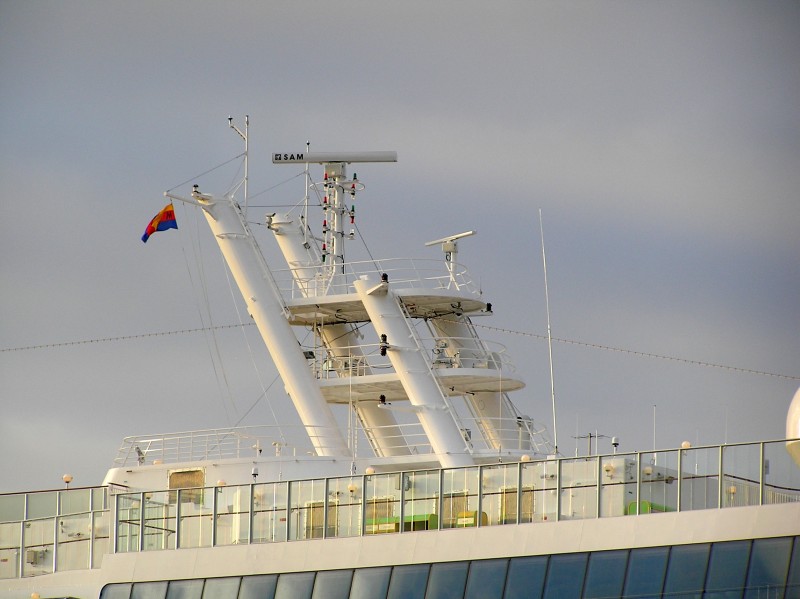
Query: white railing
point(402, 272)
point(207, 444)
point(49, 531)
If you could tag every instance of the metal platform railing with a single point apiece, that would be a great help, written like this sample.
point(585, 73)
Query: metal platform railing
point(402, 272)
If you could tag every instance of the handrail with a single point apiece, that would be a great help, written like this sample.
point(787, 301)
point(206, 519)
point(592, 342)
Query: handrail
point(423, 273)
point(528, 491)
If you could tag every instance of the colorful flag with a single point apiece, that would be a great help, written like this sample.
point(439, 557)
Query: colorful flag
point(161, 222)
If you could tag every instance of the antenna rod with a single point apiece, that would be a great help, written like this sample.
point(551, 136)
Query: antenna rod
point(244, 136)
point(549, 337)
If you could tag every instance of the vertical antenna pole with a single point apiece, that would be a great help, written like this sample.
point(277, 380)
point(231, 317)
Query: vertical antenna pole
point(244, 136)
point(305, 199)
point(655, 455)
point(246, 158)
point(549, 336)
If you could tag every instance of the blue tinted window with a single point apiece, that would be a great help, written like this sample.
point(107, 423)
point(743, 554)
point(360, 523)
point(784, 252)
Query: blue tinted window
point(606, 574)
point(646, 569)
point(185, 589)
point(221, 588)
point(526, 577)
point(793, 582)
point(565, 576)
point(686, 572)
point(409, 582)
point(370, 583)
point(295, 586)
point(149, 590)
point(334, 584)
point(727, 569)
point(486, 579)
point(447, 581)
point(258, 587)
point(769, 564)
point(116, 591)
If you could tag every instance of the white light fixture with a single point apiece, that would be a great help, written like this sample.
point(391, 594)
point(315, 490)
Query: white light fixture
point(647, 470)
point(686, 445)
point(369, 471)
point(67, 478)
point(525, 458)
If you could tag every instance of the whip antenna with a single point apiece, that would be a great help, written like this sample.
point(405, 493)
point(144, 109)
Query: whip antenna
point(549, 336)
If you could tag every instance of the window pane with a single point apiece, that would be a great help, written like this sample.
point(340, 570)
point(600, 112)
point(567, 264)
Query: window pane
point(606, 574)
point(116, 591)
point(646, 570)
point(565, 576)
point(149, 590)
point(447, 581)
point(687, 570)
point(258, 587)
point(295, 586)
point(526, 577)
point(486, 579)
point(793, 582)
point(769, 563)
point(185, 589)
point(221, 588)
point(409, 582)
point(269, 512)
point(42, 505)
point(370, 583)
point(75, 501)
point(727, 569)
point(332, 585)
point(12, 507)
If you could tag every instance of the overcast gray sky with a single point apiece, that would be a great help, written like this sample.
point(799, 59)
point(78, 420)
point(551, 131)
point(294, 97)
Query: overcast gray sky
point(660, 139)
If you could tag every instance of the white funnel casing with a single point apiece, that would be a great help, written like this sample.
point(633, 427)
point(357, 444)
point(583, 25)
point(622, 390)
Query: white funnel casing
point(793, 428)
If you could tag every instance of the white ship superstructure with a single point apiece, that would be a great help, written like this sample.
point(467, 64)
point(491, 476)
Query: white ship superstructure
point(437, 487)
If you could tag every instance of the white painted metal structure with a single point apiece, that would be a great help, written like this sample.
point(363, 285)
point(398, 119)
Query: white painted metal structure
point(488, 453)
point(264, 304)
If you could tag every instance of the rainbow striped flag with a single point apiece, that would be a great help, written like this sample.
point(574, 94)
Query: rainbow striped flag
point(161, 222)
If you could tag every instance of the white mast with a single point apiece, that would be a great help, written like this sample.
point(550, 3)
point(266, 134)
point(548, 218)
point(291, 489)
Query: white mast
point(490, 408)
point(384, 309)
point(265, 305)
point(338, 339)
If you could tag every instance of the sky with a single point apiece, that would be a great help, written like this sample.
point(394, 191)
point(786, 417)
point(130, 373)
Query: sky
point(660, 140)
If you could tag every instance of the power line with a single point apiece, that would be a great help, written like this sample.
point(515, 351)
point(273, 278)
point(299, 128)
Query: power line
point(586, 344)
point(642, 354)
point(123, 338)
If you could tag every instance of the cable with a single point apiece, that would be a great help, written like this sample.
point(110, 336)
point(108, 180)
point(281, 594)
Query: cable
point(205, 173)
point(642, 354)
point(586, 344)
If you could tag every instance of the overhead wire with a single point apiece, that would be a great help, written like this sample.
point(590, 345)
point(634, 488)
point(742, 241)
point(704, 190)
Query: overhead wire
point(586, 344)
point(643, 354)
point(204, 173)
